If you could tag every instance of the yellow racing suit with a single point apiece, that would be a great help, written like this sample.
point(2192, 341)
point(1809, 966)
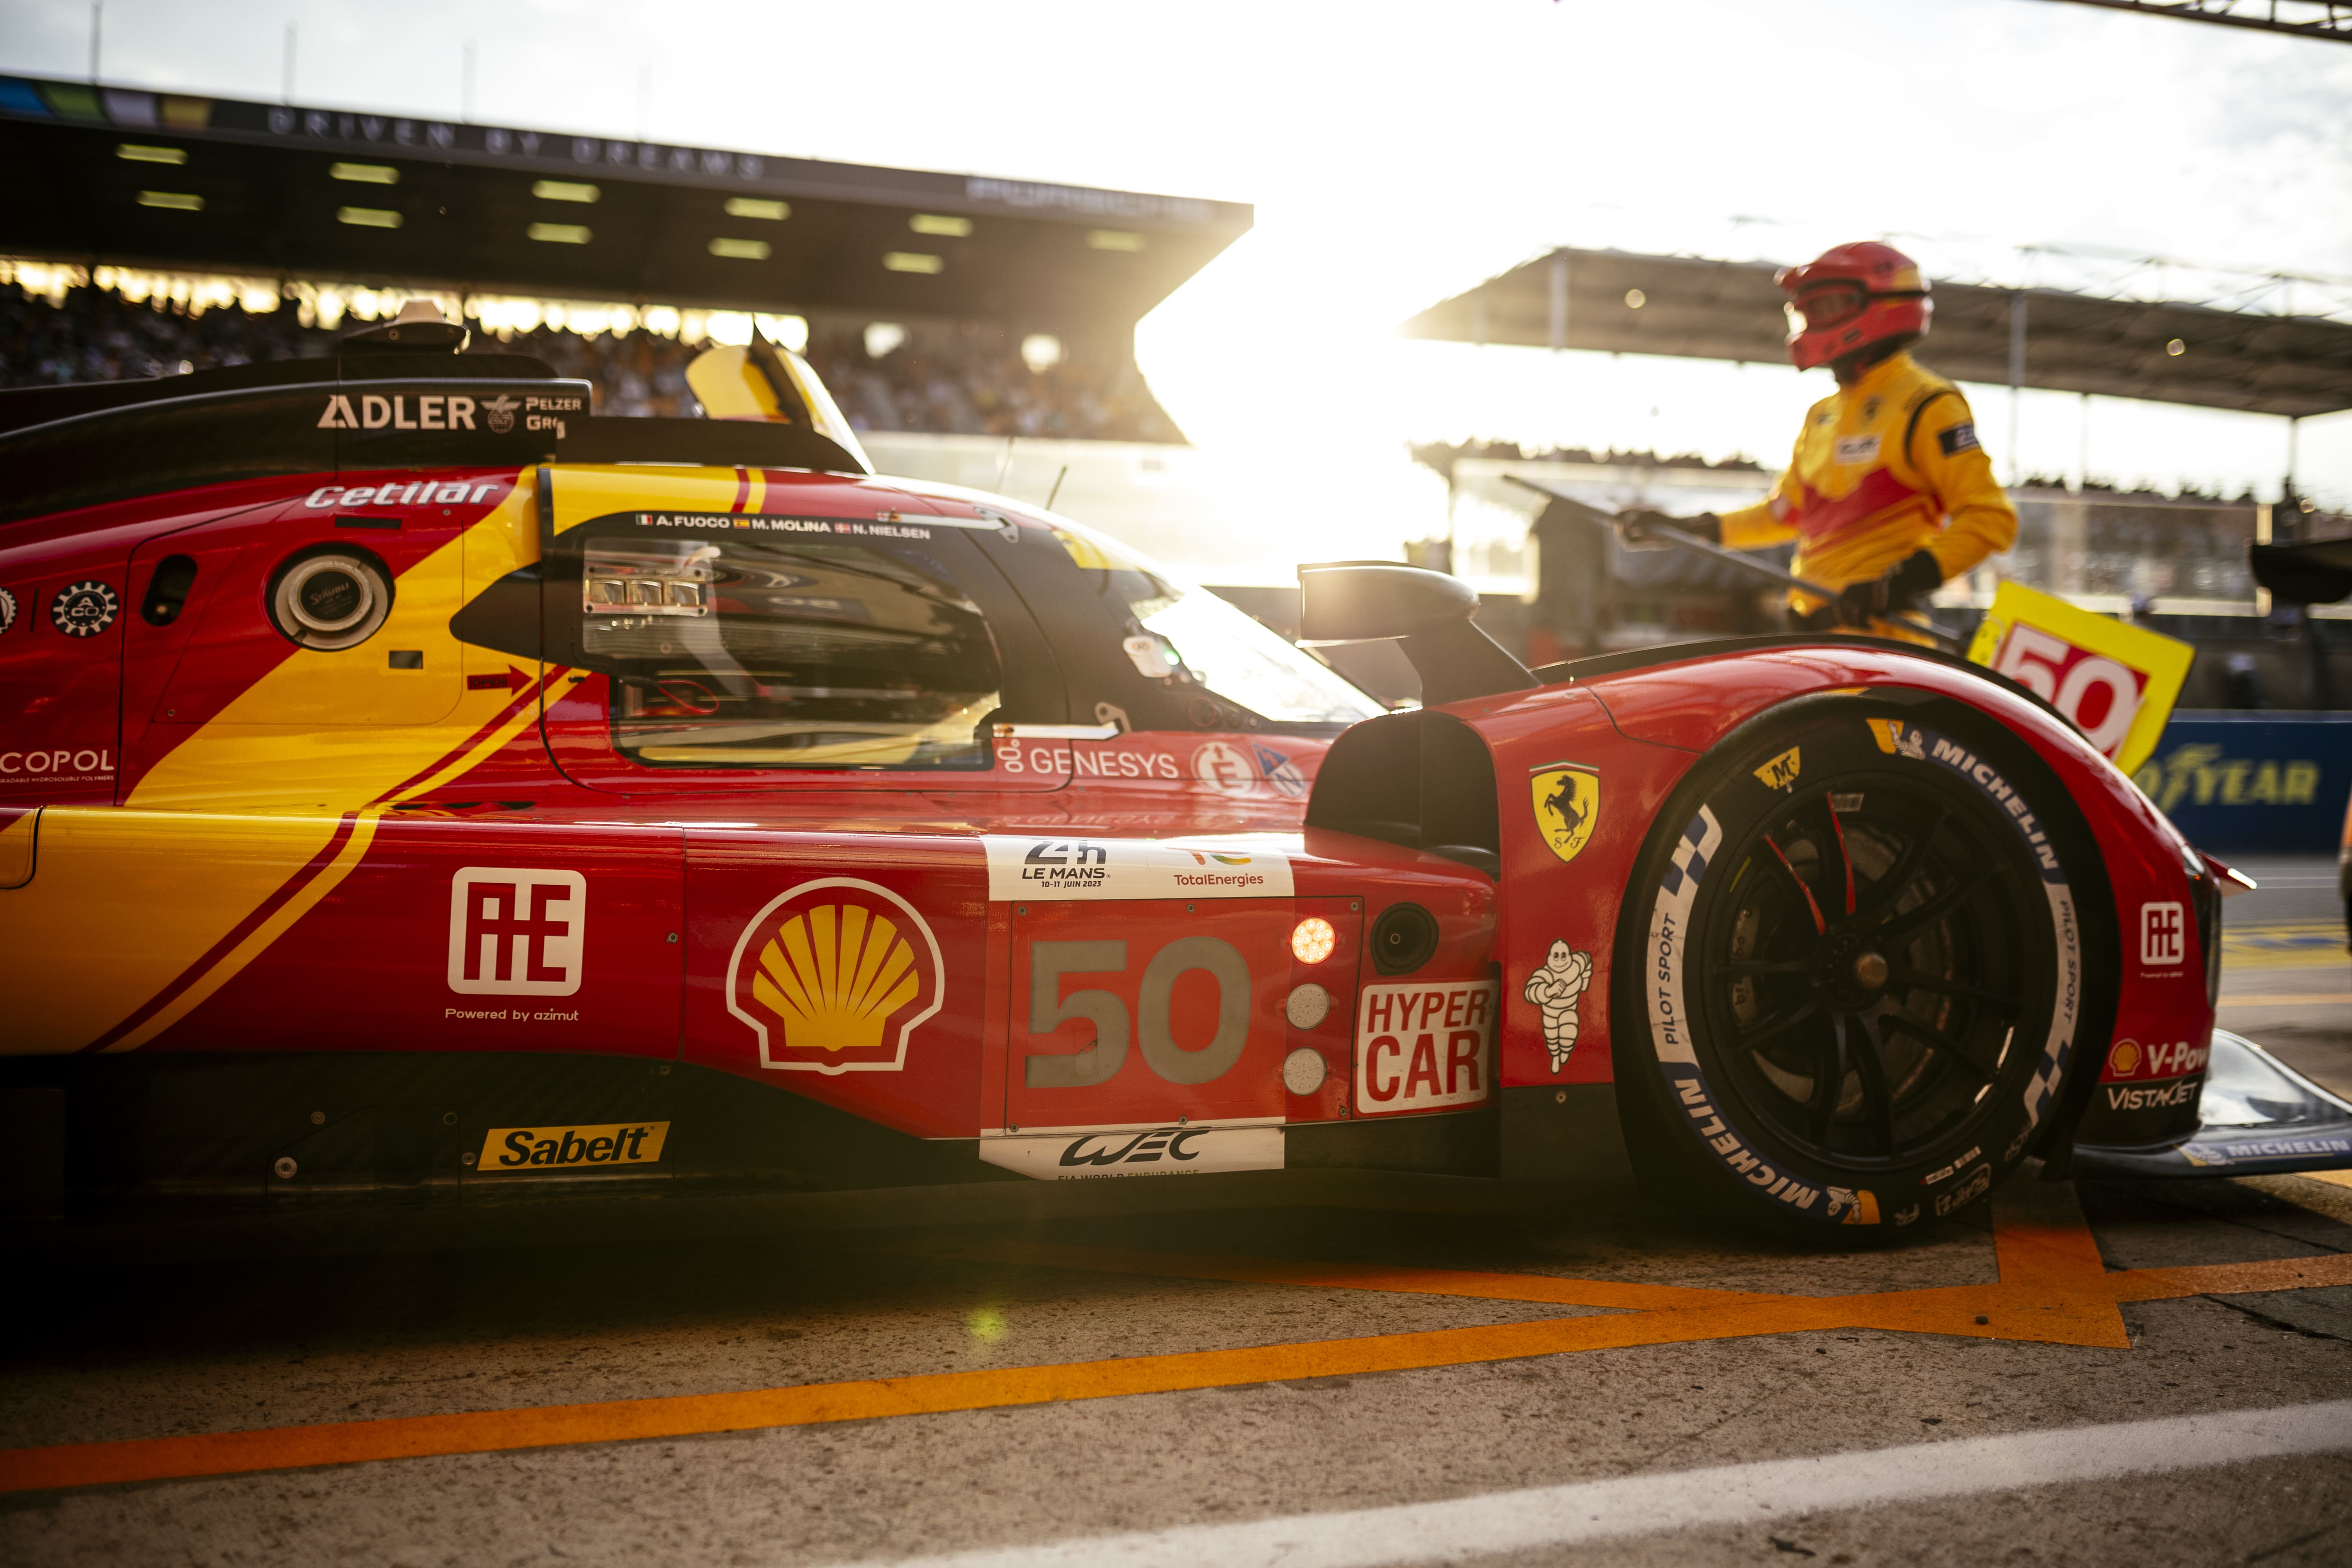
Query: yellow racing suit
point(1883, 469)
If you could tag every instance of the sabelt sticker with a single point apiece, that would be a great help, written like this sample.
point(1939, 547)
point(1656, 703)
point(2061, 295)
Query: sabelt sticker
point(1092, 1153)
point(1423, 1044)
point(1025, 869)
point(835, 976)
point(8, 610)
point(84, 609)
point(1566, 798)
point(507, 1151)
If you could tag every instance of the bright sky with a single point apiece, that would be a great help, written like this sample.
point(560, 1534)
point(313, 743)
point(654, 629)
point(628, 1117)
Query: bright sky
point(1397, 153)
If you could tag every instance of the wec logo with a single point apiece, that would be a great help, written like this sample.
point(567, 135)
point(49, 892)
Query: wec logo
point(1146, 1148)
point(517, 933)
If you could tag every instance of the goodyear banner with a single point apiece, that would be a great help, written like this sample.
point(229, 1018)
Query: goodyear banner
point(2254, 783)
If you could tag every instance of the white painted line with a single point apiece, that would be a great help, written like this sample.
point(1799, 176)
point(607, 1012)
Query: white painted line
point(1772, 1490)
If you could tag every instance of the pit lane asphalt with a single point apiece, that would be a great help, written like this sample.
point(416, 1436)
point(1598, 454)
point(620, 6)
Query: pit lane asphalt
point(110, 1353)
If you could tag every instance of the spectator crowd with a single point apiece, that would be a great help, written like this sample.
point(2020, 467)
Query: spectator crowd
point(950, 378)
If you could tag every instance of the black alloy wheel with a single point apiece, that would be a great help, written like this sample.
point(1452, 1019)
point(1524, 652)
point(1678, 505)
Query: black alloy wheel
point(1867, 967)
point(1855, 945)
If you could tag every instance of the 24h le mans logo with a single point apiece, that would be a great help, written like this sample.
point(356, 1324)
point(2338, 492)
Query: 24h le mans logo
point(1566, 804)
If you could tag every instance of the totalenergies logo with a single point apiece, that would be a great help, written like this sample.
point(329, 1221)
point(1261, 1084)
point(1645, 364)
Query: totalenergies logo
point(835, 976)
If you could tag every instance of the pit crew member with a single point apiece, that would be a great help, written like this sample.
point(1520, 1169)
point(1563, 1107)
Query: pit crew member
point(1888, 493)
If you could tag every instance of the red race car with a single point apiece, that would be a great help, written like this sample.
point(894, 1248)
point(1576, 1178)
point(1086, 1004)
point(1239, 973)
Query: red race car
point(414, 787)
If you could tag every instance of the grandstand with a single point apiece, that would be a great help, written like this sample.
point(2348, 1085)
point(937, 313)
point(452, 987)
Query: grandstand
point(148, 232)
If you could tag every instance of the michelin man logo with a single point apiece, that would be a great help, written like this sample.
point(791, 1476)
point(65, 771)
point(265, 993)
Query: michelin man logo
point(1557, 988)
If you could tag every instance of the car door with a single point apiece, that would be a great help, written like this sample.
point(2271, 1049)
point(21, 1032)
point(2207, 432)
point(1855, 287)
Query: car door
point(310, 663)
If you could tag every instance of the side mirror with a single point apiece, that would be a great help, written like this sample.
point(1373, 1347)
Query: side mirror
point(1373, 601)
point(1428, 612)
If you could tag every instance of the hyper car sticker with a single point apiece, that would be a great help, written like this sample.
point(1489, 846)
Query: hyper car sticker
point(835, 976)
point(1425, 1045)
point(1252, 865)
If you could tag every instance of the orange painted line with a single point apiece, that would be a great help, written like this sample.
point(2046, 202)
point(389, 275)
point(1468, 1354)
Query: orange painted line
point(490, 1431)
point(2233, 1279)
point(1538, 1288)
point(2053, 1291)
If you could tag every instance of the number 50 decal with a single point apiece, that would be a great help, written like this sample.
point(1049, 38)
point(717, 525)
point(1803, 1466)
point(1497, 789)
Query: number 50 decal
point(1100, 1061)
point(2116, 683)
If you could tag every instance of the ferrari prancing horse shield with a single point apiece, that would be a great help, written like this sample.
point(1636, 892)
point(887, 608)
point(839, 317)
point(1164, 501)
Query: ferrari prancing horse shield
point(1567, 803)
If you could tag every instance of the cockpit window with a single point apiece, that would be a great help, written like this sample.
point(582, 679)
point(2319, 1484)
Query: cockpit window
point(1220, 646)
point(748, 653)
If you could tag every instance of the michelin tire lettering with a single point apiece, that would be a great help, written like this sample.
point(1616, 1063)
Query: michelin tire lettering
point(1668, 957)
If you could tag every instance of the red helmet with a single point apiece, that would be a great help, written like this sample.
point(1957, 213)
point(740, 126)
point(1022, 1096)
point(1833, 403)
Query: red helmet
point(1850, 297)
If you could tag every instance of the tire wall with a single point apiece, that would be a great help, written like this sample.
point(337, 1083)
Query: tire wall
point(1642, 731)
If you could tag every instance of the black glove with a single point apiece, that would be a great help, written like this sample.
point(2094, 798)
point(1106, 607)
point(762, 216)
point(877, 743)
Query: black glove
point(1637, 529)
point(1900, 589)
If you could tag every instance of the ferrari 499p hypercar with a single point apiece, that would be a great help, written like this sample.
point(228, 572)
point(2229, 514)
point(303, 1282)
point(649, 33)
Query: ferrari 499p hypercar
point(414, 788)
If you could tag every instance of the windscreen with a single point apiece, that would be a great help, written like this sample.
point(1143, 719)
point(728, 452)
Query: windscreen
point(736, 652)
point(1223, 649)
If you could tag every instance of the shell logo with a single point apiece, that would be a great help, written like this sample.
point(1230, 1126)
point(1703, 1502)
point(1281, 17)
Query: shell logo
point(834, 976)
point(2124, 1058)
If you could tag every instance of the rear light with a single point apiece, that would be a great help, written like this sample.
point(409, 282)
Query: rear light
point(1312, 940)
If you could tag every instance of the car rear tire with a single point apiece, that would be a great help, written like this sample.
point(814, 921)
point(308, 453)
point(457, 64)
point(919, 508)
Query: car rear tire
point(1850, 971)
